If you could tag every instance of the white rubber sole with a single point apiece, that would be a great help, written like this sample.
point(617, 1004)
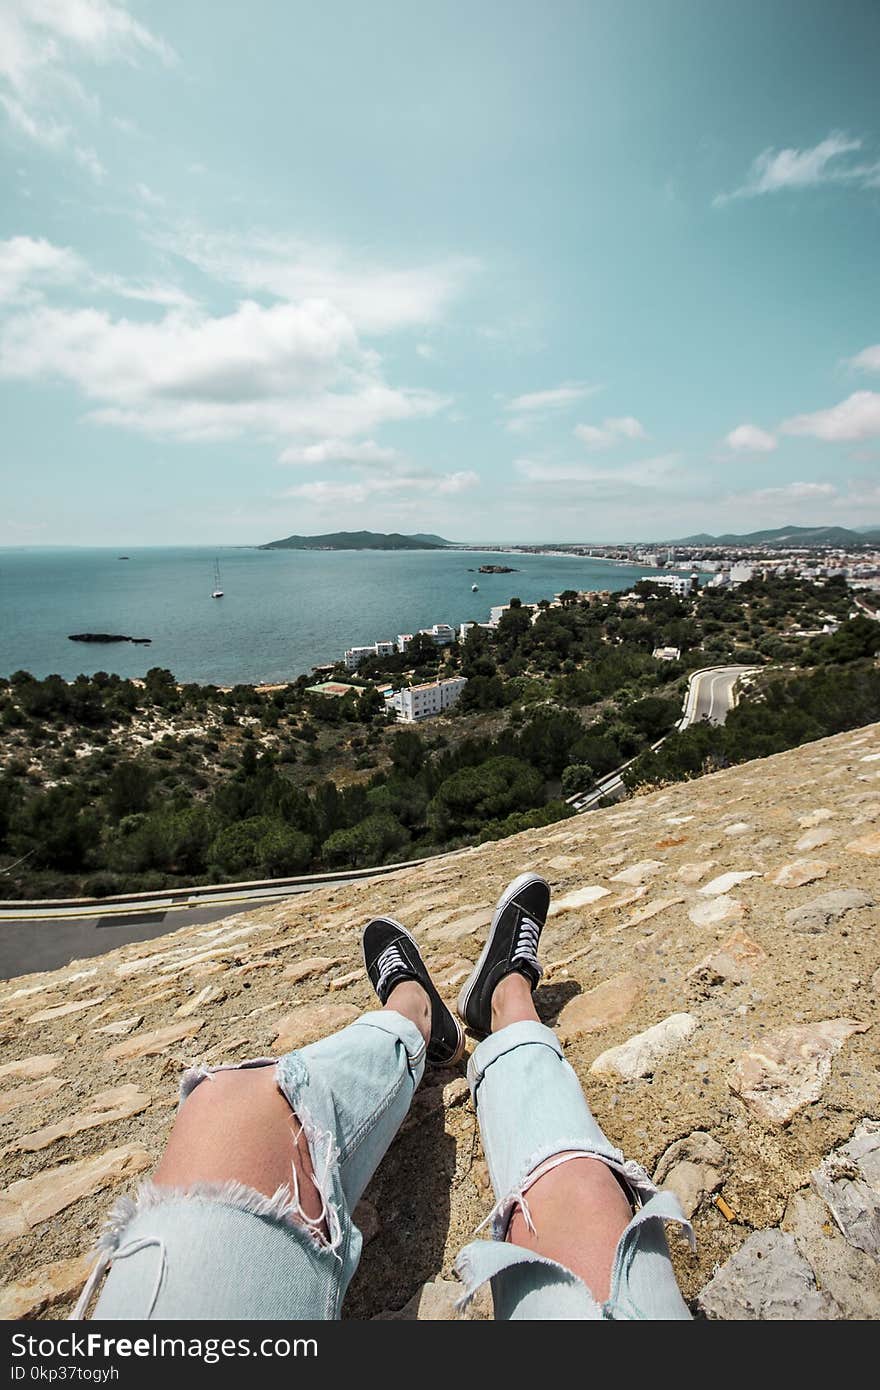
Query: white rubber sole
point(504, 902)
point(460, 1047)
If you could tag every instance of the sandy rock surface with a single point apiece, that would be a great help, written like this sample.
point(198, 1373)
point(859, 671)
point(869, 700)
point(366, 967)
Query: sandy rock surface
point(700, 910)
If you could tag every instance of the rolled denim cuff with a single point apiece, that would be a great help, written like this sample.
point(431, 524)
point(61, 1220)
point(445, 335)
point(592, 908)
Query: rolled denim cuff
point(506, 1040)
point(397, 1026)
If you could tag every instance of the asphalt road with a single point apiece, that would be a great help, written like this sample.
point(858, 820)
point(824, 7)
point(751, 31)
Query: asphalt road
point(713, 695)
point(31, 939)
point(710, 696)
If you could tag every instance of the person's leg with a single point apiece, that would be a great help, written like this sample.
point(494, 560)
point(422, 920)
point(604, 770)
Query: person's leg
point(578, 1210)
point(292, 1144)
point(577, 1230)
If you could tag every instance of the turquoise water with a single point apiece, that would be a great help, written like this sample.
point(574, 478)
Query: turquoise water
point(283, 610)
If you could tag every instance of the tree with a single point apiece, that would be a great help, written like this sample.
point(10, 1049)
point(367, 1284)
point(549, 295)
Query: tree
point(476, 794)
point(577, 777)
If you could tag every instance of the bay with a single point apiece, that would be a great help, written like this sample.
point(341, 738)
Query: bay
point(283, 611)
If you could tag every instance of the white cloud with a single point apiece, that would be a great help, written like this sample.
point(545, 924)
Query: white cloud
point(749, 439)
point(366, 451)
point(659, 471)
point(612, 431)
point(868, 360)
point(377, 299)
point(283, 373)
point(791, 492)
point(28, 265)
point(87, 159)
point(556, 398)
point(776, 170)
point(41, 41)
point(149, 196)
point(25, 260)
point(328, 493)
point(856, 418)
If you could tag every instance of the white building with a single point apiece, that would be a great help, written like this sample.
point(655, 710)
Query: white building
point(680, 584)
point(404, 641)
point(667, 653)
point(741, 574)
point(386, 648)
point(355, 655)
point(441, 634)
point(423, 701)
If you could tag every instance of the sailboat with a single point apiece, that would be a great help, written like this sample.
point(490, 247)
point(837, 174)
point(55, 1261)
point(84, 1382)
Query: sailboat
point(218, 592)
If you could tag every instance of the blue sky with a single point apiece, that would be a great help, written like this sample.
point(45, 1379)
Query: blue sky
point(508, 271)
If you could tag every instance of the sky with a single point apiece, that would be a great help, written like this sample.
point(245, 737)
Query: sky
point(578, 270)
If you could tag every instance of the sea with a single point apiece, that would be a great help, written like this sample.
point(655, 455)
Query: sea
point(282, 611)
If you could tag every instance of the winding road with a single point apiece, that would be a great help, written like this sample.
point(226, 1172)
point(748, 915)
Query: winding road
point(77, 928)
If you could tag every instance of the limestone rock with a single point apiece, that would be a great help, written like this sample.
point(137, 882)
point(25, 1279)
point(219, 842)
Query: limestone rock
point(716, 910)
point(30, 1068)
point(599, 1008)
point(693, 872)
point(343, 981)
point(311, 1021)
point(787, 1069)
point(44, 1287)
point(652, 909)
point(63, 1010)
point(460, 927)
point(638, 873)
point(29, 1095)
point(122, 1026)
point(28, 1202)
point(767, 1279)
point(119, 1103)
point(311, 967)
point(641, 1054)
point(692, 1169)
point(865, 844)
point(734, 960)
point(581, 897)
point(150, 1044)
point(814, 839)
point(815, 818)
point(209, 994)
point(436, 1302)
point(845, 1273)
point(724, 882)
point(799, 873)
point(849, 1183)
point(820, 912)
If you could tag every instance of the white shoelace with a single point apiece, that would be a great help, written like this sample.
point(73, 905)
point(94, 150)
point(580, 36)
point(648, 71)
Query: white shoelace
point(527, 944)
point(390, 961)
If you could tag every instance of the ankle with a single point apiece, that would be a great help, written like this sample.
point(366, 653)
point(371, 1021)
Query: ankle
point(512, 1002)
point(411, 1000)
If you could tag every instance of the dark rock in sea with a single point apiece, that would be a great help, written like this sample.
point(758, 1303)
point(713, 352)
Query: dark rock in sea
point(107, 637)
point(497, 569)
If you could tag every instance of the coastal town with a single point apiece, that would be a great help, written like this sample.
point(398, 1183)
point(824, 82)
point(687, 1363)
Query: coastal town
point(678, 570)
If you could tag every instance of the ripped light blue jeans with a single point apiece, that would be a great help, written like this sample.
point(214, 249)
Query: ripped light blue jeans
point(228, 1252)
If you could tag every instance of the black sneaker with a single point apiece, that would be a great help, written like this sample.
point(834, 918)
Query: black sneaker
point(512, 946)
point(391, 956)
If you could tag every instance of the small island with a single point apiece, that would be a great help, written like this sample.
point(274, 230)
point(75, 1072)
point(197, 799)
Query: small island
point(107, 637)
point(358, 540)
point(497, 569)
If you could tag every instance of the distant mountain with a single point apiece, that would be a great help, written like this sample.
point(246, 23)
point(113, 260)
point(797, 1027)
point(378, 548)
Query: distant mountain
point(788, 535)
point(358, 540)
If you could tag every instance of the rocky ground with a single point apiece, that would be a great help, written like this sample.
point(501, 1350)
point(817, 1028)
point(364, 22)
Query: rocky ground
point(713, 968)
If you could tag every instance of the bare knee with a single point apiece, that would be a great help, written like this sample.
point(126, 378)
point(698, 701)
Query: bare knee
point(236, 1126)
